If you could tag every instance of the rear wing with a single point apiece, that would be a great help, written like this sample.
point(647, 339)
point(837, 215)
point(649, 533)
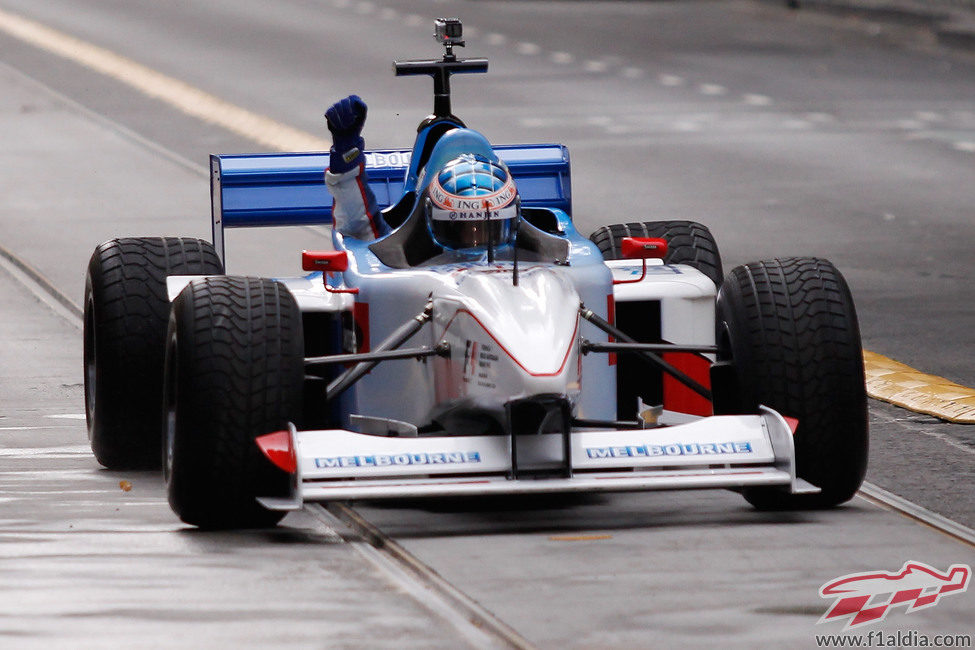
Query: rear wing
point(288, 189)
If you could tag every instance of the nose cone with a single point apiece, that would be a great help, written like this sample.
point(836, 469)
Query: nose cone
point(535, 323)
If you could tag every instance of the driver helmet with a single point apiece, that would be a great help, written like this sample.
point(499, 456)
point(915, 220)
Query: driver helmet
point(472, 202)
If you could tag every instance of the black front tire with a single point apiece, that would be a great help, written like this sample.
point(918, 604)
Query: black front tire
point(234, 372)
point(126, 312)
point(688, 243)
point(790, 329)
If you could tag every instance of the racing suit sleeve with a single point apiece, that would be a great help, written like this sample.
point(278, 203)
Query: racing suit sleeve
point(354, 210)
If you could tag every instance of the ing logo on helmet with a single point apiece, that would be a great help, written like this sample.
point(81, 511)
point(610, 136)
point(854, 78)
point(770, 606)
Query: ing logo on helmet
point(472, 187)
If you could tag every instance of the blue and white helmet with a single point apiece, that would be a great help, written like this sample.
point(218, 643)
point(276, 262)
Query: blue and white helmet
point(471, 202)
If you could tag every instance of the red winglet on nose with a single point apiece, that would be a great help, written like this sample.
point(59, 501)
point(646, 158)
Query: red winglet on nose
point(635, 248)
point(279, 450)
point(328, 261)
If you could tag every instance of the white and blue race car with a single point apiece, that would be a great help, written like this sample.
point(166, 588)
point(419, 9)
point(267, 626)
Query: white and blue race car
point(540, 361)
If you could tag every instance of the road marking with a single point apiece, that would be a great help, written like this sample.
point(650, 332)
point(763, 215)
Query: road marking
point(595, 66)
point(62, 451)
point(947, 403)
point(174, 92)
point(578, 538)
point(901, 385)
point(753, 99)
point(670, 80)
point(496, 39)
point(712, 90)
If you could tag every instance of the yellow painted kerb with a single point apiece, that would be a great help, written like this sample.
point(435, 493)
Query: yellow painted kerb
point(894, 382)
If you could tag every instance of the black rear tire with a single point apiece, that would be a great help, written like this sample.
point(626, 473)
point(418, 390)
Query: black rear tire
point(688, 243)
point(234, 372)
point(790, 328)
point(126, 312)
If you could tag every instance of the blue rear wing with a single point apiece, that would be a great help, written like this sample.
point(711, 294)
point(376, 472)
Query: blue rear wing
point(288, 189)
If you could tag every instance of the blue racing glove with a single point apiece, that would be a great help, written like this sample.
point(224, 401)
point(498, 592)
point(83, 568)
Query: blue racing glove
point(345, 119)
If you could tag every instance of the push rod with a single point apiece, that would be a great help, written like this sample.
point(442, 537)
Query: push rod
point(591, 346)
point(315, 363)
point(649, 357)
point(400, 336)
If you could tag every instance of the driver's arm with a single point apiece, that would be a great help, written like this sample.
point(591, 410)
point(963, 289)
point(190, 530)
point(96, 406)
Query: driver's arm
point(354, 210)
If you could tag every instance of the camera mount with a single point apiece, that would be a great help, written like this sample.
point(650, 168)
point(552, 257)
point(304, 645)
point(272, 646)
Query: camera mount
point(449, 32)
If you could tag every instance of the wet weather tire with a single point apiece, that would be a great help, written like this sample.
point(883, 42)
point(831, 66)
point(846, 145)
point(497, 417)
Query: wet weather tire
point(688, 243)
point(790, 329)
point(126, 312)
point(234, 372)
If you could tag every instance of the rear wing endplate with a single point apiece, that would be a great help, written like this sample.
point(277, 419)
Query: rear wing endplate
point(288, 189)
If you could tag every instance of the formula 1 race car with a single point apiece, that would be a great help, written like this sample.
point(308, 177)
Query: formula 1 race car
point(530, 360)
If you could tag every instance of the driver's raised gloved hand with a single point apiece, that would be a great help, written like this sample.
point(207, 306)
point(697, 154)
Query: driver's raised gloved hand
point(345, 119)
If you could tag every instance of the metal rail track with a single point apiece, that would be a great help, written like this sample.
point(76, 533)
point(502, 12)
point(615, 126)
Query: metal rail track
point(482, 628)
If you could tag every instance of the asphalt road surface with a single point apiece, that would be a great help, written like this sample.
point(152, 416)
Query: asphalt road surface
point(785, 133)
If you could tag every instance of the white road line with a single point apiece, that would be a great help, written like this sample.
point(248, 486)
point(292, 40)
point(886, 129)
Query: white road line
point(687, 127)
point(670, 80)
point(562, 58)
point(495, 39)
point(31, 452)
point(753, 99)
point(910, 125)
point(929, 116)
point(712, 90)
point(595, 66)
point(820, 118)
point(796, 125)
point(528, 49)
point(174, 92)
